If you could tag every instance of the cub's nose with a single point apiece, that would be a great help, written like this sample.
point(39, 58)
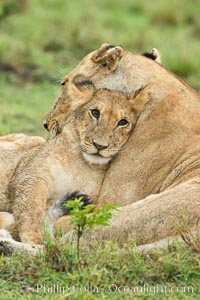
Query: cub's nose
point(45, 124)
point(99, 146)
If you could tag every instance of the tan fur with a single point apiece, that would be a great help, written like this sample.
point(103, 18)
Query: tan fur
point(6, 219)
point(8, 246)
point(162, 157)
point(8, 225)
point(71, 161)
point(19, 141)
point(156, 55)
point(12, 148)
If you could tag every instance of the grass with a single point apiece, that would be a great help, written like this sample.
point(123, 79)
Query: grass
point(23, 106)
point(104, 274)
point(39, 42)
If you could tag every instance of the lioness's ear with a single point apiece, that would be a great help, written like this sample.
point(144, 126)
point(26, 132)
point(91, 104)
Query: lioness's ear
point(154, 55)
point(108, 56)
point(86, 87)
point(139, 98)
point(80, 94)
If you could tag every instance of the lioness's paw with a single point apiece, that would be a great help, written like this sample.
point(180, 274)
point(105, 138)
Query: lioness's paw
point(5, 246)
point(5, 234)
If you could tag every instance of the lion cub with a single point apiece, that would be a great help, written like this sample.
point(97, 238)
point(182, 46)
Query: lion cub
point(75, 159)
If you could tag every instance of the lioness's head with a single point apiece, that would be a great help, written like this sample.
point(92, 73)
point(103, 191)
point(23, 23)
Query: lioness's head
point(104, 124)
point(98, 66)
point(104, 60)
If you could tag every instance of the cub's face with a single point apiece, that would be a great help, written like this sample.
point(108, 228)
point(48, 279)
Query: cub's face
point(104, 125)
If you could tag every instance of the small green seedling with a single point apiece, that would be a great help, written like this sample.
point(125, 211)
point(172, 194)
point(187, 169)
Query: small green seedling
point(82, 218)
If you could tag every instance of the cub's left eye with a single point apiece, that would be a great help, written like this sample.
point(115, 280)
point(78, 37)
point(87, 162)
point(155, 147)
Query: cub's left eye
point(95, 113)
point(122, 123)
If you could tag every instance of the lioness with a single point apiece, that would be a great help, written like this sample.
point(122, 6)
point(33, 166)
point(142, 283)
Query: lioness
point(160, 165)
point(75, 159)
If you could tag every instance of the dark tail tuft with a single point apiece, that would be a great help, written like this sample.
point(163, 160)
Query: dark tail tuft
point(70, 197)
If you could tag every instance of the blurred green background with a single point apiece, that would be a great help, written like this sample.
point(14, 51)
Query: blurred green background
point(40, 40)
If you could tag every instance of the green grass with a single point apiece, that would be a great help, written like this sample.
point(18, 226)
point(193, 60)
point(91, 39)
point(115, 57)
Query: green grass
point(24, 106)
point(106, 270)
point(39, 42)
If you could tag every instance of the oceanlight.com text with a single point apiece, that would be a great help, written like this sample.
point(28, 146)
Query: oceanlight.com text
point(113, 288)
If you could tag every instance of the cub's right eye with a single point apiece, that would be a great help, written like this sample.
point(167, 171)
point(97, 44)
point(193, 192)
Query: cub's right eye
point(95, 113)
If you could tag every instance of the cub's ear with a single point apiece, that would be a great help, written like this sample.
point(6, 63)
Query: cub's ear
point(80, 94)
point(108, 56)
point(139, 98)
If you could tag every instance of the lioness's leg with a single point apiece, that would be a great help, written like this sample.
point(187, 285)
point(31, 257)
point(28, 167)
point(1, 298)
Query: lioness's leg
point(9, 246)
point(152, 218)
